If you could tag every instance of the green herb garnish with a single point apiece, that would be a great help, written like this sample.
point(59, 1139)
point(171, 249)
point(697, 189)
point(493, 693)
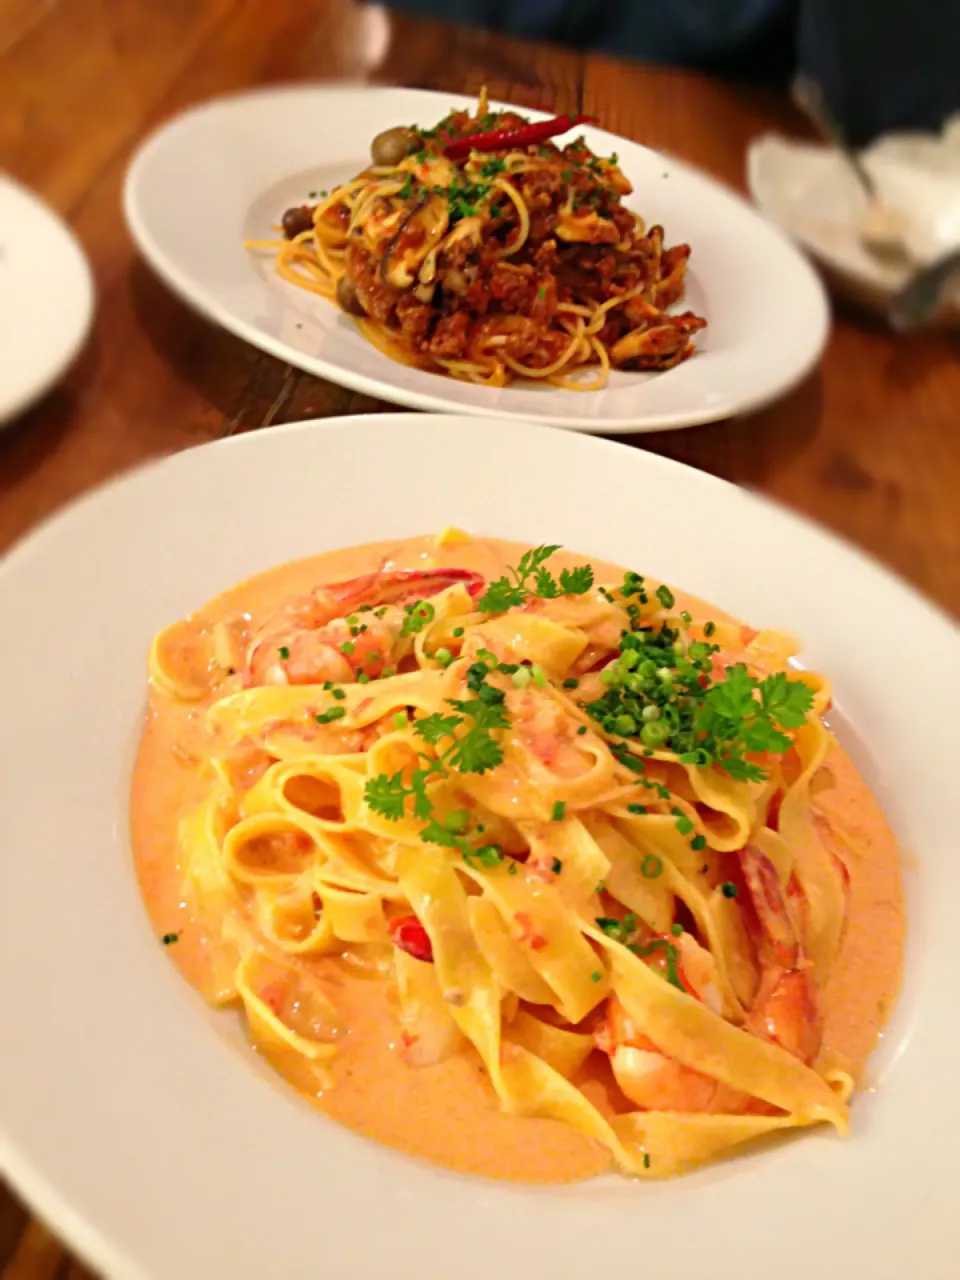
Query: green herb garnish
point(531, 577)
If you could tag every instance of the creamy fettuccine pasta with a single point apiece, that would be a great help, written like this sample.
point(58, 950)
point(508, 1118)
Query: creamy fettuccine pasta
point(526, 864)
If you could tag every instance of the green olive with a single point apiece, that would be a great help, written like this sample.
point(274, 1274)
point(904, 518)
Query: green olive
point(393, 145)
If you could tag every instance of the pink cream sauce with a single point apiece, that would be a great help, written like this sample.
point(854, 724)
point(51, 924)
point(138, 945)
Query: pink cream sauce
point(448, 1113)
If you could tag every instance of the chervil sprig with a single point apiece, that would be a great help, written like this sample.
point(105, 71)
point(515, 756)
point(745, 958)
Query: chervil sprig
point(736, 723)
point(531, 577)
point(475, 750)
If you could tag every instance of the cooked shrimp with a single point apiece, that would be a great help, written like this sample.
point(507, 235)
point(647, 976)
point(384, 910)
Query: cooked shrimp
point(648, 1077)
point(545, 729)
point(786, 1009)
point(322, 636)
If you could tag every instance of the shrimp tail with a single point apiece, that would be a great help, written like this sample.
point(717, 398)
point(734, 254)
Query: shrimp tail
point(393, 587)
point(776, 933)
point(786, 1009)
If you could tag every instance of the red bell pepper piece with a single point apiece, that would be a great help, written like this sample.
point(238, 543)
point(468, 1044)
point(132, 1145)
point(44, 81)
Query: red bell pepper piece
point(409, 935)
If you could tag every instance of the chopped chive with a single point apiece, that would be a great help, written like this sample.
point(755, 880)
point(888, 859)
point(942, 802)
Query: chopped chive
point(444, 657)
point(676, 930)
point(284, 652)
point(556, 866)
point(559, 809)
point(684, 825)
point(332, 713)
point(698, 843)
point(596, 976)
point(651, 866)
point(709, 628)
point(458, 632)
point(169, 939)
point(582, 729)
point(362, 677)
point(666, 597)
point(636, 808)
point(571, 683)
point(539, 677)
point(521, 678)
point(339, 693)
point(400, 720)
point(347, 647)
point(728, 889)
point(457, 821)
point(646, 1159)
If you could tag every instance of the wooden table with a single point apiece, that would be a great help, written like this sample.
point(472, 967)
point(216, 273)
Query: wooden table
point(869, 445)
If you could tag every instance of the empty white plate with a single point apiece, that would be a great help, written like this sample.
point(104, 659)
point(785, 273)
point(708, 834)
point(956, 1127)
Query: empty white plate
point(46, 298)
point(138, 1121)
point(227, 170)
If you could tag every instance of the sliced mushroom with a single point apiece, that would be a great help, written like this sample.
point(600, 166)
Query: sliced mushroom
point(616, 178)
point(381, 223)
point(420, 232)
point(586, 228)
point(467, 228)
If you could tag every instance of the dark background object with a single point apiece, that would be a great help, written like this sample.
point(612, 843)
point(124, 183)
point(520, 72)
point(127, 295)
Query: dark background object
point(882, 64)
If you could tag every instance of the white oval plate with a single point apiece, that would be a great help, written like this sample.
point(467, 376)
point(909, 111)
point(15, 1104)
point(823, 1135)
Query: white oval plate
point(226, 171)
point(136, 1119)
point(46, 298)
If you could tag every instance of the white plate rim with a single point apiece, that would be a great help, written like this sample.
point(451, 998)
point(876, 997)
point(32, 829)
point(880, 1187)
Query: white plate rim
point(210, 306)
point(86, 1237)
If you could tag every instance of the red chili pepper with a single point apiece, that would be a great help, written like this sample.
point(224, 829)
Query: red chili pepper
point(525, 135)
point(409, 935)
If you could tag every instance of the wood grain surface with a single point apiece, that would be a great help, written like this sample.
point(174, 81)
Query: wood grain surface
point(869, 445)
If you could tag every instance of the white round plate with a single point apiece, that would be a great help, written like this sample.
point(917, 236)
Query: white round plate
point(226, 171)
point(136, 1119)
point(46, 298)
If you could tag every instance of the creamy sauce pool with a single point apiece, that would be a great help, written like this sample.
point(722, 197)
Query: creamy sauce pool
point(448, 1113)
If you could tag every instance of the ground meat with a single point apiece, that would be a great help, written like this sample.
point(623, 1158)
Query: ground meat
point(449, 339)
point(513, 287)
point(377, 298)
point(414, 318)
point(542, 189)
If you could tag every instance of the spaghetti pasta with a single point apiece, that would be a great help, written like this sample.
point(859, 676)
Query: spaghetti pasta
point(483, 250)
point(571, 825)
